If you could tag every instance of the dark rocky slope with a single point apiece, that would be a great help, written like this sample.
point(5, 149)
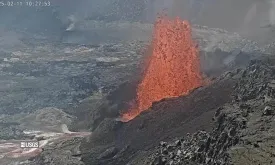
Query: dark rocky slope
point(165, 120)
point(240, 104)
point(243, 133)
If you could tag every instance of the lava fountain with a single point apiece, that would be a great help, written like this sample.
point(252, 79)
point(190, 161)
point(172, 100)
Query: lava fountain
point(173, 67)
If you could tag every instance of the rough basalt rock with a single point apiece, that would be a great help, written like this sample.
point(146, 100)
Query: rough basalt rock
point(240, 132)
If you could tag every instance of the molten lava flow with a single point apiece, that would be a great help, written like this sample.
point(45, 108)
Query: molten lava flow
point(173, 69)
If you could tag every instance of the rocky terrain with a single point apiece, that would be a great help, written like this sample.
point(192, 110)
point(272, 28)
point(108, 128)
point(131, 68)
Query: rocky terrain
point(47, 83)
point(43, 74)
point(41, 80)
point(37, 73)
point(243, 130)
point(68, 70)
point(113, 142)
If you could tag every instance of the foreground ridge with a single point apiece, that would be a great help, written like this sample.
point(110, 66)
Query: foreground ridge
point(243, 131)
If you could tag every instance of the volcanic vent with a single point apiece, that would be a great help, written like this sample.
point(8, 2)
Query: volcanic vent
point(173, 68)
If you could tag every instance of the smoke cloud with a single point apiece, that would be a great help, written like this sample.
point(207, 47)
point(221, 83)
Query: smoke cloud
point(246, 17)
point(272, 12)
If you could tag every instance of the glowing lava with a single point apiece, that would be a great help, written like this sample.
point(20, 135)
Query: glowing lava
point(173, 68)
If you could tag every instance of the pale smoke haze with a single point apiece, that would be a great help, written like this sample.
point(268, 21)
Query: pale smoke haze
point(241, 16)
point(250, 14)
point(272, 12)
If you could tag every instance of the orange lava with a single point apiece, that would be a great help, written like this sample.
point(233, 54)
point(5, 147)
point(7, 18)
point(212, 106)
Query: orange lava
point(173, 69)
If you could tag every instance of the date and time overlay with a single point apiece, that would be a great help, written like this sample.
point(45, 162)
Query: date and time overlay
point(25, 3)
